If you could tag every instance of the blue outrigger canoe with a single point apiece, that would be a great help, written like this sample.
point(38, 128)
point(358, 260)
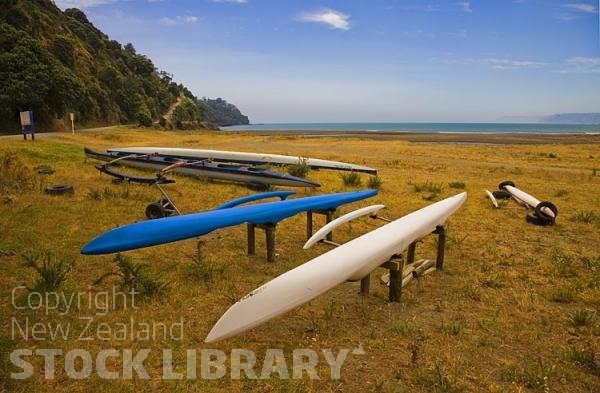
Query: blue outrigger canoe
point(170, 229)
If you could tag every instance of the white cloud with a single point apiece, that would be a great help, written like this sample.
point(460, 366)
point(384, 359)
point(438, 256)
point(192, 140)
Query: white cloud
point(494, 63)
point(64, 4)
point(414, 7)
point(178, 20)
point(582, 7)
point(465, 6)
point(581, 65)
point(333, 18)
point(230, 1)
point(509, 64)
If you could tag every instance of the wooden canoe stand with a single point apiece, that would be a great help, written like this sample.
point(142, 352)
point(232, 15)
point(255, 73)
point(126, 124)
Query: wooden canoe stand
point(270, 232)
point(270, 236)
point(309, 221)
point(400, 275)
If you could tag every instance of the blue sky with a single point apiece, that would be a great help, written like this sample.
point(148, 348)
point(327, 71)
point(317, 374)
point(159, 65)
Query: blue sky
point(370, 60)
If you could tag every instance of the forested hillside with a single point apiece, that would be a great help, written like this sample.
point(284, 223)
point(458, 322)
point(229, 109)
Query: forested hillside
point(55, 62)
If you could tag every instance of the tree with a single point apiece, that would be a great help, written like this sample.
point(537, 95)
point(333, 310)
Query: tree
point(26, 76)
point(64, 50)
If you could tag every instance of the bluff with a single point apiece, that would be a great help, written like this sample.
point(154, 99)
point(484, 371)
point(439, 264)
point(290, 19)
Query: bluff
point(55, 62)
point(573, 118)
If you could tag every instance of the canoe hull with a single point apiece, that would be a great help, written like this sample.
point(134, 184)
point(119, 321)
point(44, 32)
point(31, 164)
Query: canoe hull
point(350, 261)
point(212, 171)
point(243, 157)
point(169, 229)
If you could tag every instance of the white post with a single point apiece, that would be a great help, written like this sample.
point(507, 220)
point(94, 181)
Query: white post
point(72, 117)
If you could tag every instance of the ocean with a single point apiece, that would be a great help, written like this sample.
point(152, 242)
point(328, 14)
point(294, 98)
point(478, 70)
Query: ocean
point(491, 128)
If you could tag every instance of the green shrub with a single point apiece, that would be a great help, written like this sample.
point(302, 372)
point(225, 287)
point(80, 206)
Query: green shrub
point(143, 119)
point(300, 169)
point(351, 179)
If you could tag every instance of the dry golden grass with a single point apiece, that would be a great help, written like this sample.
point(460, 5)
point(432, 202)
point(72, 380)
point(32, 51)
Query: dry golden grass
point(517, 306)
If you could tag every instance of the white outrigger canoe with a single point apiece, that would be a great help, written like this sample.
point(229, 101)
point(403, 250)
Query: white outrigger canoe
point(241, 157)
point(350, 261)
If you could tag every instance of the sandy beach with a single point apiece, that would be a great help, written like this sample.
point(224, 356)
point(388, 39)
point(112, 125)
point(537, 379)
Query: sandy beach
point(435, 137)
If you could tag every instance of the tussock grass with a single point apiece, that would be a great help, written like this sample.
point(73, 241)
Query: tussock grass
point(51, 272)
point(15, 176)
point(351, 179)
point(582, 317)
point(457, 185)
point(135, 277)
point(374, 182)
point(586, 217)
point(300, 169)
point(500, 274)
point(585, 356)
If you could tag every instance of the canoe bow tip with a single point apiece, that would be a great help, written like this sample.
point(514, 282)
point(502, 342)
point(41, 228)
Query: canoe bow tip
point(87, 250)
point(212, 337)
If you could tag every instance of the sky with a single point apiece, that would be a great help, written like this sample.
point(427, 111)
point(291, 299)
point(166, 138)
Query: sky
point(370, 60)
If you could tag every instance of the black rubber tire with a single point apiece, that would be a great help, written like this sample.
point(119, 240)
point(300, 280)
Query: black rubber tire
point(540, 213)
point(501, 194)
point(44, 170)
point(505, 183)
point(167, 205)
point(155, 210)
point(534, 219)
point(59, 189)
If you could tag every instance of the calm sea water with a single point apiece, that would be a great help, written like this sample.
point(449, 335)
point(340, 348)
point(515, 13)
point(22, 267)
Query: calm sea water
point(427, 127)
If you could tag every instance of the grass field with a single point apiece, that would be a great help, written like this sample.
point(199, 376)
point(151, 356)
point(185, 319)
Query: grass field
point(516, 307)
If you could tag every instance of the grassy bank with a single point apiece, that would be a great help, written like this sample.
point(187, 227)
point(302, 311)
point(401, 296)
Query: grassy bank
point(517, 306)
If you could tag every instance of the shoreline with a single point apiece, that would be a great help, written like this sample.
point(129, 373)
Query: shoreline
point(439, 137)
point(475, 138)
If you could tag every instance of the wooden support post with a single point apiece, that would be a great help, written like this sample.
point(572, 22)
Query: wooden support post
point(309, 221)
point(395, 292)
point(270, 237)
point(251, 239)
point(410, 254)
point(270, 234)
point(396, 267)
point(365, 285)
point(329, 218)
point(441, 232)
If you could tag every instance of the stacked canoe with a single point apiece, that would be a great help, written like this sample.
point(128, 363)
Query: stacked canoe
point(233, 166)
